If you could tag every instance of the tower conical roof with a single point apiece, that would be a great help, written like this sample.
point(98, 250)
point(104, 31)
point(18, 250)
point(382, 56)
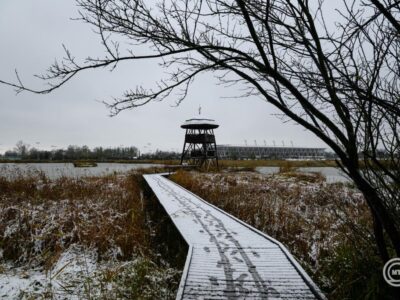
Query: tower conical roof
point(199, 123)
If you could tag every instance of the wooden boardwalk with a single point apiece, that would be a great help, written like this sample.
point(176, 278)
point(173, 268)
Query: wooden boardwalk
point(228, 259)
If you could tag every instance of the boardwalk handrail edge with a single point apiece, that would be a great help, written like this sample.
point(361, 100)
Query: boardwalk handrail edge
point(303, 274)
point(185, 273)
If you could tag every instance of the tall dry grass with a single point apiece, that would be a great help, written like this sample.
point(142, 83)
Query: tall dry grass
point(253, 163)
point(40, 219)
point(98, 212)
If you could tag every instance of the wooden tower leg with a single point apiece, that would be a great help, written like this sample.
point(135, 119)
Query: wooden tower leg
point(216, 155)
point(184, 147)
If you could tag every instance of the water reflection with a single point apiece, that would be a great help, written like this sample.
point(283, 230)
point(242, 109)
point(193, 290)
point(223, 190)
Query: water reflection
point(57, 170)
point(332, 174)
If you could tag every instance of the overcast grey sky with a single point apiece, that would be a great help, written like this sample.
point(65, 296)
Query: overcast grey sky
point(32, 34)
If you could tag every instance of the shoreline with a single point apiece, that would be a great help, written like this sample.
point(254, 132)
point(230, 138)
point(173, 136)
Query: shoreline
point(223, 163)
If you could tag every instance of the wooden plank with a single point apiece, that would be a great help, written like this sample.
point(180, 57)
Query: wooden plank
point(228, 259)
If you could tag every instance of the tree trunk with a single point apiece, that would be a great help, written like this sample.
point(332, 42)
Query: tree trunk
point(380, 240)
point(379, 211)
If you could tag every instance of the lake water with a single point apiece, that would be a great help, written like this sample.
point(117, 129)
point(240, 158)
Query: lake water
point(332, 174)
point(57, 170)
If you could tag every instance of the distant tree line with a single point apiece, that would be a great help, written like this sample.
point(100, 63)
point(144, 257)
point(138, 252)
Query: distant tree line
point(158, 154)
point(25, 152)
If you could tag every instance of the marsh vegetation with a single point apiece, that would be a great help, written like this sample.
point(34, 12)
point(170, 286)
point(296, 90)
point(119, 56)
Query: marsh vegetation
point(102, 237)
point(80, 238)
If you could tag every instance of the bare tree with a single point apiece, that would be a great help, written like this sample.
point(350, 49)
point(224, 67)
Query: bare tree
point(369, 67)
point(21, 148)
point(340, 81)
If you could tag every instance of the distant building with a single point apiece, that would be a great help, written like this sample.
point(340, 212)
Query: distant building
point(258, 152)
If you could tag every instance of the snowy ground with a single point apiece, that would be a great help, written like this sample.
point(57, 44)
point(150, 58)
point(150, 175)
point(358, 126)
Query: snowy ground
point(79, 275)
point(75, 238)
point(70, 276)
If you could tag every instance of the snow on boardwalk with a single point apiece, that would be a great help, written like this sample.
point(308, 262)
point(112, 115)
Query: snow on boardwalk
point(228, 259)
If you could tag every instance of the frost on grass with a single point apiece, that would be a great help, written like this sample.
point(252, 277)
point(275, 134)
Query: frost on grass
point(79, 275)
point(78, 239)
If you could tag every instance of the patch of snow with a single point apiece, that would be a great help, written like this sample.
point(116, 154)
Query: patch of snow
point(11, 229)
point(67, 278)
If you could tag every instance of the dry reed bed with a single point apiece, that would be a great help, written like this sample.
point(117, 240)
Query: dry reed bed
point(90, 233)
point(253, 163)
point(315, 220)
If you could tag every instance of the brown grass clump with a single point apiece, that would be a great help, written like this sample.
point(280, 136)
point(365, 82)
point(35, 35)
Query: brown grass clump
point(286, 167)
point(253, 163)
point(312, 177)
point(41, 218)
point(94, 235)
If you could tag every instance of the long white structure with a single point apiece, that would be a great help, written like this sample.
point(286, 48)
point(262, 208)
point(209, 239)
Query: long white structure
point(242, 152)
point(228, 259)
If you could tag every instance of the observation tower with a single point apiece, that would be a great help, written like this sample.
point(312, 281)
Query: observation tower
point(200, 148)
